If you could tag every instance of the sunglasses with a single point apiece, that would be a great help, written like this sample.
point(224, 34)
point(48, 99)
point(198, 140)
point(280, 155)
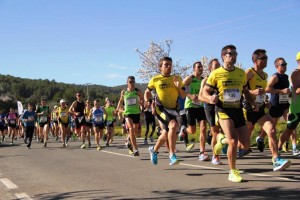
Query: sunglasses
point(283, 64)
point(262, 58)
point(232, 53)
point(131, 81)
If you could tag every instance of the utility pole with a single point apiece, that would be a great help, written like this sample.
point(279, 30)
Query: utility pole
point(87, 90)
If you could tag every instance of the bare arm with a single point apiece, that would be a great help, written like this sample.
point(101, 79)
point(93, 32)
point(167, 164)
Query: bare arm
point(121, 101)
point(270, 87)
point(72, 107)
point(201, 97)
point(147, 96)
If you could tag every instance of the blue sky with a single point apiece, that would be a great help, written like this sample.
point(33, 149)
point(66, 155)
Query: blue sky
point(93, 41)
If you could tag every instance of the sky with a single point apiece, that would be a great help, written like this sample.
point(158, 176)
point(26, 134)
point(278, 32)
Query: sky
point(93, 41)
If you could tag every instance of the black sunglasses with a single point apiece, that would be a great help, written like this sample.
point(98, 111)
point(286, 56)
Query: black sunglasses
point(131, 81)
point(283, 64)
point(232, 53)
point(262, 58)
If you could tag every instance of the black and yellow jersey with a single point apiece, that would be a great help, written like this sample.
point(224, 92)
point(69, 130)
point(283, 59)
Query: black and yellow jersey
point(166, 90)
point(258, 82)
point(229, 86)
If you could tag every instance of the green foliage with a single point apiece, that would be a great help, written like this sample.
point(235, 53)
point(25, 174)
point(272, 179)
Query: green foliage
point(13, 89)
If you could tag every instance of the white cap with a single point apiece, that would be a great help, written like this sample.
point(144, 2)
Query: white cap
point(62, 101)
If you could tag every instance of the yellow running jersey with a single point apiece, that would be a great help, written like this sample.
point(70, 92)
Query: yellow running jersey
point(63, 115)
point(166, 90)
point(229, 86)
point(258, 82)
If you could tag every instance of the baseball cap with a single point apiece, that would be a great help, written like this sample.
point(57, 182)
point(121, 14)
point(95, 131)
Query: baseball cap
point(298, 56)
point(62, 101)
point(55, 106)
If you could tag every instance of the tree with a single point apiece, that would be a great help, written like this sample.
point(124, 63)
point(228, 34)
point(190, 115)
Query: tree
point(150, 59)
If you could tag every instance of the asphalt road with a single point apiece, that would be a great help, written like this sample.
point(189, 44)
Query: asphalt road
point(111, 173)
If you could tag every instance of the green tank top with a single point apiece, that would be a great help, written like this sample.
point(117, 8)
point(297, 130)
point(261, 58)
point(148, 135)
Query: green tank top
point(193, 88)
point(295, 103)
point(131, 100)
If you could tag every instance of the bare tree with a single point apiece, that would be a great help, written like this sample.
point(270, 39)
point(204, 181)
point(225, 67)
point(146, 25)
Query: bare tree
point(150, 59)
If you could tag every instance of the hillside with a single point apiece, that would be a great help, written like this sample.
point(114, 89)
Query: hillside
point(13, 89)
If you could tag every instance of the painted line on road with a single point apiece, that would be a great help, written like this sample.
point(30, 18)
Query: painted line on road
point(23, 196)
point(214, 168)
point(8, 183)
point(119, 154)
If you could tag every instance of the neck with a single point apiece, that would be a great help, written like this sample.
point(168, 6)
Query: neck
point(228, 66)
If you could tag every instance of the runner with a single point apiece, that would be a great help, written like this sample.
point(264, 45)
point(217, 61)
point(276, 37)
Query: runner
point(294, 109)
point(210, 112)
point(257, 82)
point(43, 114)
point(168, 88)
point(132, 98)
point(110, 119)
point(149, 120)
point(12, 120)
point(29, 117)
point(63, 121)
point(77, 110)
point(89, 125)
point(2, 125)
point(194, 108)
point(229, 82)
point(278, 86)
point(55, 128)
point(97, 117)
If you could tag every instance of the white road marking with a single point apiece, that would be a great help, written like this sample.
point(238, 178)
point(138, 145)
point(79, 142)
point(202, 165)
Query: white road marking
point(199, 166)
point(119, 154)
point(23, 196)
point(8, 183)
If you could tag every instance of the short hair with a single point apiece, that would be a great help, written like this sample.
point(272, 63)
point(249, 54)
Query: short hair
point(278, 59)
point(29, 104)
point(43, 98)
point(164, 59)
point(195, 63)
point(131, 77)
point(224, 49)
point(211, 62)
point(256, 54)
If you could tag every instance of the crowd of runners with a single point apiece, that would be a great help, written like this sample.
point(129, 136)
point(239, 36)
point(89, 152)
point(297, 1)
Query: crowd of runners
point(230, 100)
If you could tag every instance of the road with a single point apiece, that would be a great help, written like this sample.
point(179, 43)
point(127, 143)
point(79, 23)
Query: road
point(111, 173)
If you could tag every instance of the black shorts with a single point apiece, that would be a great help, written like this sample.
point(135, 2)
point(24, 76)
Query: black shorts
point(100, 126)
point(12, 125)
point(195, 114)
point(135, 118)
point(89, 124)
point(210, 113)
point(64, 124)
point(79, 123)
point(293, 120)
point(149, 117)
point(237, 115)
point(277, 111)
point(166, 115)
point(2, 128)
point(253, 117)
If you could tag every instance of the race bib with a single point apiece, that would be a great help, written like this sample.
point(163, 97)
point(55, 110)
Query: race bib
point(12, 121)
point(283, 98)
point(63, 114)
point(197, 103)
point(260, 99)
point(231, 95)
point(80, 119)
point(30, 118)
point(131, 101)
point(43, 119)
point(98, 119)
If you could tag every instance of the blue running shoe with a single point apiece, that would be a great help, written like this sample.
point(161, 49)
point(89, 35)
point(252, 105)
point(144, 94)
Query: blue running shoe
point(243, 152)
point(153, 155)
point(280, 164)
point(173, 160)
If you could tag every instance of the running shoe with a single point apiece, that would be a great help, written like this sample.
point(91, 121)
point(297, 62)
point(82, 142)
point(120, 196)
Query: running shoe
point(243, 152)
point(90, 144)
point(173, 160)
point(98, 148)
point(29, 145)
point(216, 160)
point(182, 133)
point(153, 155)
point(234, 176)
point(203, 156)
point(83, 146)
point(189, 147)
point(145, 141)
point(25, 141)
point(136, 153)
point(280, 164)
point(151, 138)
point(218, 147)
point(296, 152)
point(64, 145)
point(104, 137)
point(45, 144)
point(260, 144)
